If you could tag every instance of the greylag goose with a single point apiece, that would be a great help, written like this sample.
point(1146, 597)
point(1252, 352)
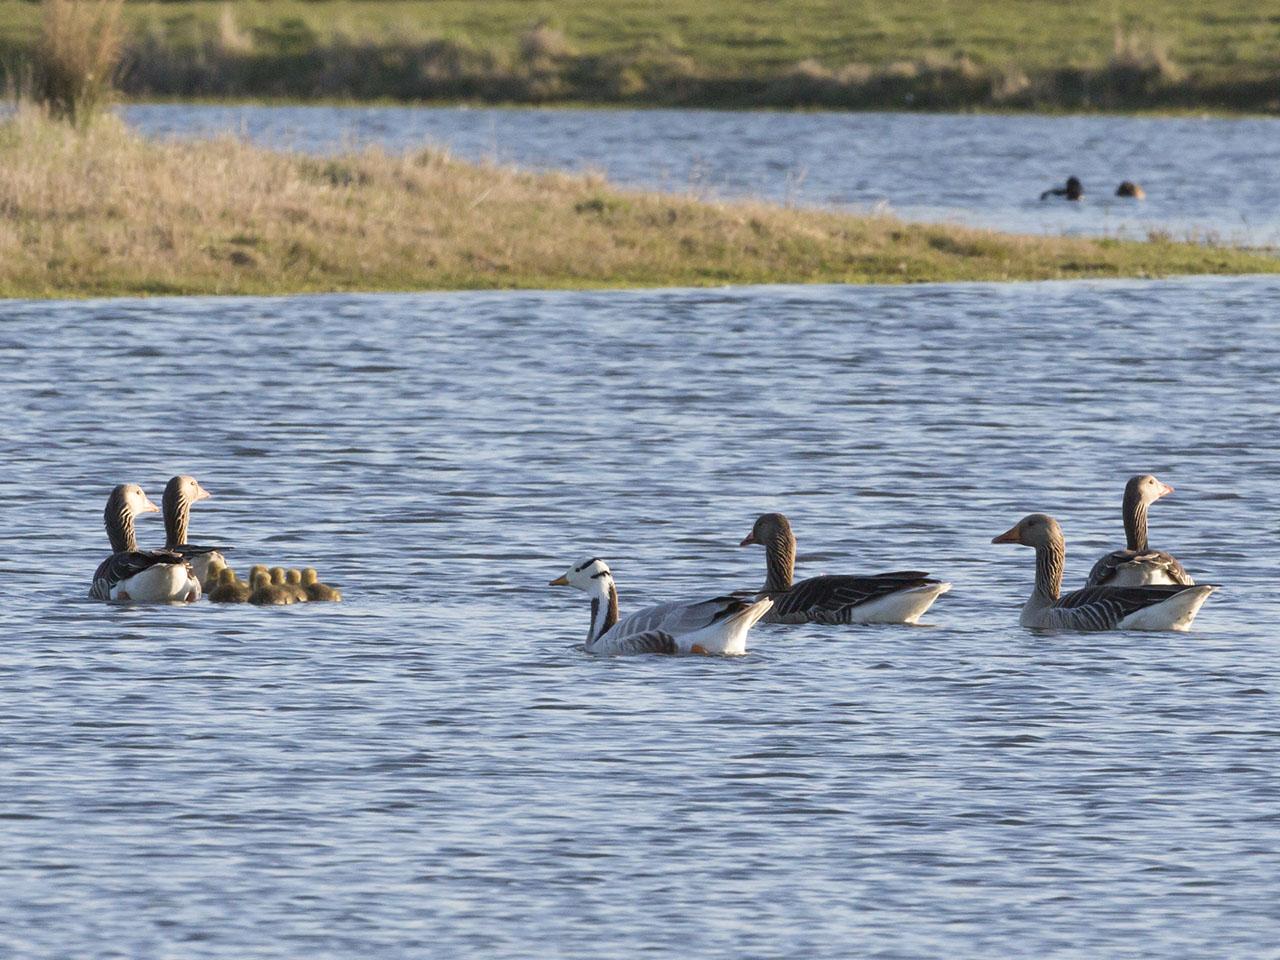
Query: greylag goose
point(179, 494)
point(900, 597)
point(130, 574)
point(715, 626)
point(317, 590)
point(1138, 565)
point(1164, 607)
point(265, 592)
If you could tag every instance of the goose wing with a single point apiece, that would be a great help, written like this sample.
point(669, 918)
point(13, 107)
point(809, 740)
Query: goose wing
point(187, 550)
point(1102, 608)
point(823, 597)
point(128, 563)
point(677, 619)
point(647, 641)
point(1137, 567)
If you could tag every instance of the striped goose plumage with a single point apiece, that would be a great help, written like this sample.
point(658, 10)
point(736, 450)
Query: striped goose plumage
point(1138, 565)
point(130, 574)
point(899, 597)
point(179, 495)
point(715, 626)
point(1162, 607)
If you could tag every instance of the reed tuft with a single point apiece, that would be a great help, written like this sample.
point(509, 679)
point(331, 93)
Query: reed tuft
point(76, 58)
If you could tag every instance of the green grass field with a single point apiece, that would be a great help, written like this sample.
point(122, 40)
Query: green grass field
point(1054, 54)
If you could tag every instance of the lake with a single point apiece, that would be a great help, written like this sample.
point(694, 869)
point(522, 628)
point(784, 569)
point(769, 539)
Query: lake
point(1205, 178)
point(436, 768)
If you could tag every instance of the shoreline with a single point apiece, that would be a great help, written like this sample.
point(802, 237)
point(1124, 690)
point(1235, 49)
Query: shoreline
point(108, 212)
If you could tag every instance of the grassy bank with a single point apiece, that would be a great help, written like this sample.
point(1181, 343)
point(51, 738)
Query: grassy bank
point(1118, 54)
point(107, 213)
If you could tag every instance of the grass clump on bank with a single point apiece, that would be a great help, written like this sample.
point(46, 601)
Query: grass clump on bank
point(105, 212)
point(902, 54)
point(76, 57)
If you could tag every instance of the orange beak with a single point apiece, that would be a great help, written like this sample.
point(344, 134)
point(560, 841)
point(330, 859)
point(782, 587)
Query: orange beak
point(749, 539)
point(1009, 536)
point(1165, 490)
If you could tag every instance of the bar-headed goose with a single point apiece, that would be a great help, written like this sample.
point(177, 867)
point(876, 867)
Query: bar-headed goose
point(130, 574)
point(179, 494)
point(900, 597)
point(1165, 607)
point(715, 626)
point(1138, 565)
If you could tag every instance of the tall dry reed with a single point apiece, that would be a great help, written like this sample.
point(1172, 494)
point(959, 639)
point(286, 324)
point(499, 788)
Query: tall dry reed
point(77, 57)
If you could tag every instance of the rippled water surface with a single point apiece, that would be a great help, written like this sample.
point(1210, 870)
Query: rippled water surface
point(1204, 178)
point(435, 767)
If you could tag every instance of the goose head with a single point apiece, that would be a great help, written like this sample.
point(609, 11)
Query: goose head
point(185, 488)
point(277, 575)
point(259, 578)
point(293, 578)
point(310, 577)
point(592, 575)
point(129, 497)
point(768, 528)
point(1146, 489)
point(1034, 530)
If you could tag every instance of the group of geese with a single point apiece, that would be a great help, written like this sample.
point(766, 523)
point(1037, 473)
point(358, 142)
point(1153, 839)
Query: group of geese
point(1132, 589)
point(181, 571)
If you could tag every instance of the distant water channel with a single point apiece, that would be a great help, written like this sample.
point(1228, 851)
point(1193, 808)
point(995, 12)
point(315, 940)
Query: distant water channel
point(434, 768)
point(1204, 178)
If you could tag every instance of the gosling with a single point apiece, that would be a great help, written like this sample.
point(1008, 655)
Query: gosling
point(293, 580)
point(229, 588)
point(266, 593)
point(316, 590)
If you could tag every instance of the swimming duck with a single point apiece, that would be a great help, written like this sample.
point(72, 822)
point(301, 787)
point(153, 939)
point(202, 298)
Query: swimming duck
point(264, 592)
point(1138, 565)
point(1074, 190)
point(900, 597)
point(318, 591)
point(715, 626)
point(139, 576)
point(1130, 189)
point(229, 588)
point(179, 494)
point(1095, 608)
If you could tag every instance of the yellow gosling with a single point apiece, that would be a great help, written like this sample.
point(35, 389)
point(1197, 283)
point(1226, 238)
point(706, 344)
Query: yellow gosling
point(318, 591)
point(293, 580)
point(229, 588)
point(266, 593)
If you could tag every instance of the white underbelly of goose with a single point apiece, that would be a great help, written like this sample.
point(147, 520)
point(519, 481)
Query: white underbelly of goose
point(200, 564)
point(162, 583)
point(903, 606)
point(1176, 613)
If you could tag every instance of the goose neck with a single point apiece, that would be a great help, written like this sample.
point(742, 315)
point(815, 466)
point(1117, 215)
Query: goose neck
point(780, 561)
point(1135, 521)
point(177, 515)
point(1050, 559)
point(604, 608)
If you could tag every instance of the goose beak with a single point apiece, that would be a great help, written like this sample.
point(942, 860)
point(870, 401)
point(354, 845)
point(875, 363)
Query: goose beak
point(148, 506)
point(559, 581)
point(749, 539)
point(1009, 536)
point(202, 493)
point(1165, 490)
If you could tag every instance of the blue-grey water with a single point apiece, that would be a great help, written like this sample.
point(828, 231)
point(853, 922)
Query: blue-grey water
point(1205, 178)
point(435, 768)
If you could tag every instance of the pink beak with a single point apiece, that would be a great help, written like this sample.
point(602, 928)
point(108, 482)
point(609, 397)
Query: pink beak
point(1165, 490)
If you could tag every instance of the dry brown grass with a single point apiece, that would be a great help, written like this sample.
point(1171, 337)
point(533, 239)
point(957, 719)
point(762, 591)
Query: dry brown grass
point(106, 212)
point(76, 57)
